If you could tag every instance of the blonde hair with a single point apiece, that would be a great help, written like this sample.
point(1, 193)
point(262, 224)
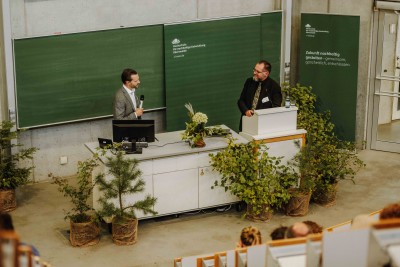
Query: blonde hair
point(250, 236)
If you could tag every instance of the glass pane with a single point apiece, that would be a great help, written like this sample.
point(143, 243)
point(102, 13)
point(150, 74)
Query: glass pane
point(388, 128)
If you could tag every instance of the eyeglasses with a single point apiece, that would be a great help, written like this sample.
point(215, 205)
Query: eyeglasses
point(255, 70)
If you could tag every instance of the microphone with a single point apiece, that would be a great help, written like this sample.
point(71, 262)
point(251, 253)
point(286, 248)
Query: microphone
point(141, 101)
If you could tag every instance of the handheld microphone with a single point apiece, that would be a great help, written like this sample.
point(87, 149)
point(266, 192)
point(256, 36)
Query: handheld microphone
point(141, 101)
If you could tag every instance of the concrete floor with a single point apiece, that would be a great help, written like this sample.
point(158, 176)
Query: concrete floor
point(39, 221)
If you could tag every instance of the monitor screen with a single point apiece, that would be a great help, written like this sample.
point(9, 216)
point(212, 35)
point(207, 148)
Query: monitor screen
point(133, 130)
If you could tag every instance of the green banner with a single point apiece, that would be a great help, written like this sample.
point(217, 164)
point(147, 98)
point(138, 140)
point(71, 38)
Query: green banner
point(207, 63)
point(329, 48)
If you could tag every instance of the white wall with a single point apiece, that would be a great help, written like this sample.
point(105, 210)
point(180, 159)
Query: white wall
point(30, 18)
point(3, 82)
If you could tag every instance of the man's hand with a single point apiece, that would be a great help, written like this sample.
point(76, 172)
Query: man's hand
point(249, 113)
point(139, 112)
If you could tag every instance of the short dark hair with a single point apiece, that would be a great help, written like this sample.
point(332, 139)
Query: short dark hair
point(278, 233)
point(126, 75)
point(6, 221)
point(315, 228)
point(390, 211)
point(267, 65)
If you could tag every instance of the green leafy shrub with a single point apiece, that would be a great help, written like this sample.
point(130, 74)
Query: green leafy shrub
point(11, 174)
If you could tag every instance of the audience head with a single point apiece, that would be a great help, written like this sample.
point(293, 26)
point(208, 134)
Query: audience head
point(250, 236)
point(298, 229)
point(390, 211)
point(315, 228)
point(278, 233)
point(6, 222)
point(362, 221)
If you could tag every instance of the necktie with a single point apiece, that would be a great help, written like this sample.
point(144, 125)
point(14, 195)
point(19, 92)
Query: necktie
point(256, 96)
point(132, 94)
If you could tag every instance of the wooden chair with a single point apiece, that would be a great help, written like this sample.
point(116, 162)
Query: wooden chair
point(9, 241)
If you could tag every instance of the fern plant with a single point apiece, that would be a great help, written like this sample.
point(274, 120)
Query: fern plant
point(126, 180)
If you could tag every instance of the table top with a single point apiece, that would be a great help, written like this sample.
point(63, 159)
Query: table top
point(170, 144)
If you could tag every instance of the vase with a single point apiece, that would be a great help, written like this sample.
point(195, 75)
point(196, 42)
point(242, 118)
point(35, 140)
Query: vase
point(200, 143)
point(8, 200)
point(125, 233)
point(325, 196)
point(84, 234)
point(263, 216)
point(298, 204)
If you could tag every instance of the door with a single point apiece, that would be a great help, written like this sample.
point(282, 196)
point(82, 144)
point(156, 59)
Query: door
point(384, 112)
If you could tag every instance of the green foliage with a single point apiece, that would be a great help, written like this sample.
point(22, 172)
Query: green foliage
point(324, 159)
point(317, 124)
point(80, 194)
point(126, 180)
point(11, 175)
point(336, 160)
point(249, 173)
point(196, 127)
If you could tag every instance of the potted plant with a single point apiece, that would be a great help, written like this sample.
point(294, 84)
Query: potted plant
point(195, 131)
point(124, 178)
point(256, 178)
point(324, 158)
point(84, 222)
point(337, 160)
point(12, 175)
point(302, 168)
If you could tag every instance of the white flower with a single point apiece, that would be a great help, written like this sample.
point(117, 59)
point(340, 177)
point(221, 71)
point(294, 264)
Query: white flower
point(199, 117)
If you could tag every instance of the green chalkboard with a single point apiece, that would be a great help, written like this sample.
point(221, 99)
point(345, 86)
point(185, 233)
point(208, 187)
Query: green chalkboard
point(271, 39)
point(207, 63)
point(74, 76)
point(329, 63)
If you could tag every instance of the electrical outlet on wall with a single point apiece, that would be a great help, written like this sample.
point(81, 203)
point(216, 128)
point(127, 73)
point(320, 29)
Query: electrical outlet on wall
point(63, 160)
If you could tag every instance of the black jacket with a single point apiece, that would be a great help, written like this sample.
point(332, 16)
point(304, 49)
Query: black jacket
point(270, 96)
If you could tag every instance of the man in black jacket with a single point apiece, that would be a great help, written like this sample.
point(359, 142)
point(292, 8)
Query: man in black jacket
point(259, 92)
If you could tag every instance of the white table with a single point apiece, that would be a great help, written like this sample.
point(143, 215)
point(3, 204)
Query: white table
point(180, 177)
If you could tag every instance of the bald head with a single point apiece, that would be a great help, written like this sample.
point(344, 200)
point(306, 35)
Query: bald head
point(298, 229)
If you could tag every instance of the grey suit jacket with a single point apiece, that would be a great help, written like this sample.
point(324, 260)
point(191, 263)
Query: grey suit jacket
point(123, 106)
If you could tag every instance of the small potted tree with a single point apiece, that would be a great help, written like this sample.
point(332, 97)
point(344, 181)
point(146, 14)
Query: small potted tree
point(125, 178)
point(84, 223)
point(303, 169)
point(12, 175)
point(304, 165)
point(337, 160)
point(256, 178)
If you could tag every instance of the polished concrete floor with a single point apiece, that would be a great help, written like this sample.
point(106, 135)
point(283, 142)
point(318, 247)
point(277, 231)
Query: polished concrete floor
point(389, 132)
point(39, 221)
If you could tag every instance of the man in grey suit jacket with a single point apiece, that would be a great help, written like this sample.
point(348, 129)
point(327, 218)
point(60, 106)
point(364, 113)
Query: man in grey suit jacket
point(126, 102)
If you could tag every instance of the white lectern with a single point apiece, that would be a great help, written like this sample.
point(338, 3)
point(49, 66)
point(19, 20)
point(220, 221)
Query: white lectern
point(277, 127)
point(272, 120)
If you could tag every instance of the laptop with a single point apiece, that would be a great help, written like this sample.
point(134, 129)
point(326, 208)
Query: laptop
point(104, 142)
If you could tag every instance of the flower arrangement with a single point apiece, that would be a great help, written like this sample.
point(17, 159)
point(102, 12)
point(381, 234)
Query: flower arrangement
point(196, 128)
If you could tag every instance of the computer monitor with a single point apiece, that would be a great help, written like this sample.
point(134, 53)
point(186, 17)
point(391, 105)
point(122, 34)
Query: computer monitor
point(133, 130)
